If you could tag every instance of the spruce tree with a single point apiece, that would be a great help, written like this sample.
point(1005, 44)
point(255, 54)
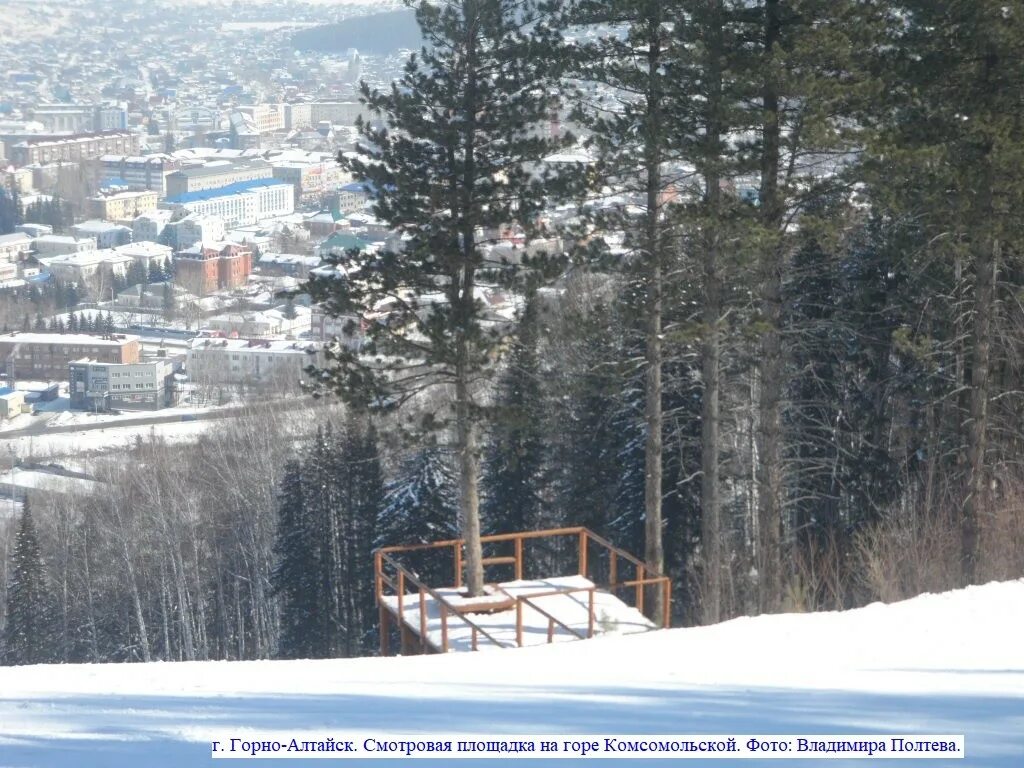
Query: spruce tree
point(295, 569)
point(31, 629)
point(422, 505)
point(454, 164)
point(948, 153)
point(516, 457)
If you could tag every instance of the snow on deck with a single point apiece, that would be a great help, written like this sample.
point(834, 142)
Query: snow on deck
point(611, 615)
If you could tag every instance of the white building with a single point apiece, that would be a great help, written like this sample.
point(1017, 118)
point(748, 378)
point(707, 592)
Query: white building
point(261, 325)
point(150, 226)
point(11, 246)
point(100, 386)
point(93, 269)
point(146, 252)
point(194, 228)
point(59, 245)
point(105, 234)
point(236, 361)
point(241, 204)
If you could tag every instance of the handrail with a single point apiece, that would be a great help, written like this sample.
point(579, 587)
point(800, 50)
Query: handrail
point(644, 577)
point(407, 575)
point(529, 602)
point(490, 538)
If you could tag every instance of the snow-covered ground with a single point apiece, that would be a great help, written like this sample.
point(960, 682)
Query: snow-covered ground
point(938, 664)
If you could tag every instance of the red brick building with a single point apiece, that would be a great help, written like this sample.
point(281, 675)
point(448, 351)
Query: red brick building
point(47, 355)
point(205, 269)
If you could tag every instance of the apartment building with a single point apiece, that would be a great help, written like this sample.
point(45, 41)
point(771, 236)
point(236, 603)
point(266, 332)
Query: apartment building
point(46, 149)
point(236, 361)
point(48, 355)
point(266, 117)
point(121, 206)
point(139, 172)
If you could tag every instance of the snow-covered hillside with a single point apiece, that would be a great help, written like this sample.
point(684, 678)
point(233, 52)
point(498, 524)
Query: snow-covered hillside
point(938, 664)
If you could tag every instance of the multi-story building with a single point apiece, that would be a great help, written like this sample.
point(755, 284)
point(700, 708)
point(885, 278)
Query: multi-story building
point(142, 172)
point(298, 116)
point(150, 226)
point(209, 267)
point(79, 118)
point(244, 361)
point(47, 355)
point(58, 245)
point(100, 386)
point(74, 148)
point(146, 253)
point(94, 270)
point(241, 204)
point(105, 233)
point(194, 228)
point(266, 117)
point(121, 206)
point(13, 245)
point(217, 175)
point(336, 112)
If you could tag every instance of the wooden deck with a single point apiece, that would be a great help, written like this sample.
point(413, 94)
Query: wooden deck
point(521, 611)
point(555, 610)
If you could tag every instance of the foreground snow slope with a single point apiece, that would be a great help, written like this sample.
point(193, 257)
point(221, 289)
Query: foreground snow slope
point(950, 663)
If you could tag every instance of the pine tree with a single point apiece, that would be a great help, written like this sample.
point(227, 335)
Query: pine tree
point(108, 325)
point(456, 159)
point(31, 628)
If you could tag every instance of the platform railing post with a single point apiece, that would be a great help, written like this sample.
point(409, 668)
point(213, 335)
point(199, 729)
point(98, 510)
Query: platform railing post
point(666, 608)
point(519, 623)
point(385, 630)
point(378, 584)
point(401, 596)
point(551, 630)
point(640, 574)
point(590, 611)
point(583, 553)
point(423, 620)
point(474, 638)
point(458, 564)
point(519, 558)
point(444, 627)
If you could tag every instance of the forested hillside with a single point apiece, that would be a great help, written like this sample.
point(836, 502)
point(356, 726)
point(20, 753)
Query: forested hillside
point(773, 344)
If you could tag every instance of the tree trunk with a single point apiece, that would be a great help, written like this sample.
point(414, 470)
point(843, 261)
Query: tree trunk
point(986, 266)
point(769, 518)
point(469, 497)
point(654, 550)
point(711, 505)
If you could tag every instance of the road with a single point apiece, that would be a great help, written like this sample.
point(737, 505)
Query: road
point(42, 427)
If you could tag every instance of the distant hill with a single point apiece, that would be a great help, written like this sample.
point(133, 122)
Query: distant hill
point(380, 33)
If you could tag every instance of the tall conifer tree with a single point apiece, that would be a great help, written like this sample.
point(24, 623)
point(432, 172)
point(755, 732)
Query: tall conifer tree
point(454, 163)
point(30, 634)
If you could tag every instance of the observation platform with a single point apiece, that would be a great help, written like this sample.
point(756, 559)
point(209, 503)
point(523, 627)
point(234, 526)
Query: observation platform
point(606, 595)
